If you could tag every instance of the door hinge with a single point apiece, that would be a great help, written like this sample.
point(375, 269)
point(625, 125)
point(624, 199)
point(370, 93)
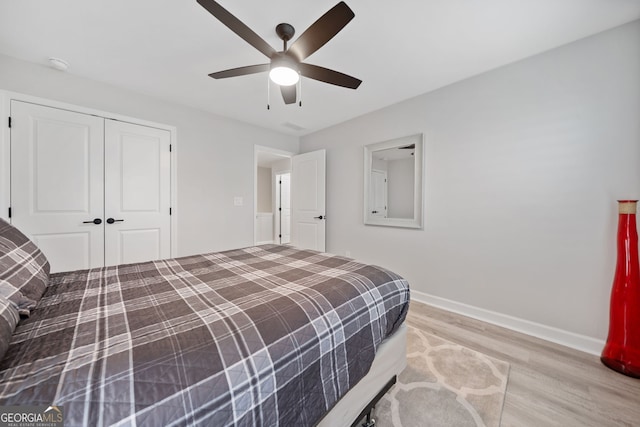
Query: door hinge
point(280, 209)
point(9, 212)
point(280, 236)
point(169, 147)
point(9, 121)
point(169, 211)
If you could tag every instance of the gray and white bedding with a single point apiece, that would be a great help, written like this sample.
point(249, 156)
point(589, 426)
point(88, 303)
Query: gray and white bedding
point(261, 336)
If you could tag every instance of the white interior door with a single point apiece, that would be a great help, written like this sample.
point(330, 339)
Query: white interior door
point(378, 196)
point(283, 208)
point(285, 204)
point(137, 193)
point(56, 183)
point(308, 187)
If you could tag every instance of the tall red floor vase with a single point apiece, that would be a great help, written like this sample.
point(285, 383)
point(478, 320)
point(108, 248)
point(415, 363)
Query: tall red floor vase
point(622, 350)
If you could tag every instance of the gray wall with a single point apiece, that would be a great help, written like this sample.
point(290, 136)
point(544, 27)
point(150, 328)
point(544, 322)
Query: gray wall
point(523, 168)
point(215, 156)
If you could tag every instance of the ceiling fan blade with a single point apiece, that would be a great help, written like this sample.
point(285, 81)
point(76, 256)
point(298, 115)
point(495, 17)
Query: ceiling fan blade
point(288, 94)
point(321, 31)
point(240, 71)
point(328, 76)
point(238, 27)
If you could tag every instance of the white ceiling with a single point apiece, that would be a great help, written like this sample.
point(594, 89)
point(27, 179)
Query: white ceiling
point(399, 49)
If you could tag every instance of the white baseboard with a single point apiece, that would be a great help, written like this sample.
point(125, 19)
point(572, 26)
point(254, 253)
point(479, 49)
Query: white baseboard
point(538, 330)
point(265, 242)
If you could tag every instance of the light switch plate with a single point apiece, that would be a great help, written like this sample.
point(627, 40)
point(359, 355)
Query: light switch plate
point(238, 201)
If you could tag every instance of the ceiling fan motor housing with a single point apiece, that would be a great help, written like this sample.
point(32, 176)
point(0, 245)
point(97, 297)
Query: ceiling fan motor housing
point(285, 32)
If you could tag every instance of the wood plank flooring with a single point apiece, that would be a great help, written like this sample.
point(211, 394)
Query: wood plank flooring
point(549, 384)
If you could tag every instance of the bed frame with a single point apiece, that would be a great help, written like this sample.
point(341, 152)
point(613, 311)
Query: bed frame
point(390, 360)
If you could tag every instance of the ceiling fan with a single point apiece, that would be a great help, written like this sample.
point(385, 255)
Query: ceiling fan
point(286, 67)
point(408, 147)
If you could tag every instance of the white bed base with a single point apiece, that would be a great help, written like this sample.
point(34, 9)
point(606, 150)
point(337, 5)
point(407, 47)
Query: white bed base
point(390, 360)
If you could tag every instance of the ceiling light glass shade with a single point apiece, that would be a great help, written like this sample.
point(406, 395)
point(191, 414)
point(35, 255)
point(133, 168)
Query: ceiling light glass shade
point(284, 76)
point(284, 70)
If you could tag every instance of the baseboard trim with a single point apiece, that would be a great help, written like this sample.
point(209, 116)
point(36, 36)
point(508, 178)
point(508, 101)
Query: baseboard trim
point(538, 330)
point(264, 242)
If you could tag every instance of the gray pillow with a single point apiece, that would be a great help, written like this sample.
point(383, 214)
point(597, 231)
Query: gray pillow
point(24, 270)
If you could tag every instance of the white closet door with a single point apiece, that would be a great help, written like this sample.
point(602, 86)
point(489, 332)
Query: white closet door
point(137, 193)
point(56, 183)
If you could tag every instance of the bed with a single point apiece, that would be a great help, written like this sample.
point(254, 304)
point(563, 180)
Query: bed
point(261, 336)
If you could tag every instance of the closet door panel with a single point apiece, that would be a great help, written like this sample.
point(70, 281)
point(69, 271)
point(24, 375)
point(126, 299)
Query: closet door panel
point(137, 193)
point(57, 183)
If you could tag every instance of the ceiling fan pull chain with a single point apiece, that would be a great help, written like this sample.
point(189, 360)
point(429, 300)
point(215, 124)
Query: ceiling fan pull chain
point(300, 92)
point(268, 93)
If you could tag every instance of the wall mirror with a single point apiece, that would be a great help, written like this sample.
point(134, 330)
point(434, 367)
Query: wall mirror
point(393, 182)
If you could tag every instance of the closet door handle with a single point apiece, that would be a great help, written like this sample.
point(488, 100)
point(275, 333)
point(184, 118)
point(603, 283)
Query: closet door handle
point(96, 221)
point(319, 217)
point(111, 220)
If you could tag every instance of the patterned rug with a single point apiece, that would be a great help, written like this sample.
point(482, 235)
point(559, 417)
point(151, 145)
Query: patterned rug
point(444, 384)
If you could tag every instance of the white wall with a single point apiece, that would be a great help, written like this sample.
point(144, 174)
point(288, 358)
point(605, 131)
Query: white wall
point(215, 157)
point(523, 168)
point(379, 164)
point(400, 180)
point(265, 195)
point(281, 166)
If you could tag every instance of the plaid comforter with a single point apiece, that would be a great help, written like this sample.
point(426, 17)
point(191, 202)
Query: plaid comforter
point(262, 336)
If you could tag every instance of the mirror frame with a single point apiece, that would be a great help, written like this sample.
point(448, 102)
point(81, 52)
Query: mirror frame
point(418, 178)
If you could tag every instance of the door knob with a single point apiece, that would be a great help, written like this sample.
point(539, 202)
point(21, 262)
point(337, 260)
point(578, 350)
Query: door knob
point(96, 221)
point(320, 217)
point(111, 220)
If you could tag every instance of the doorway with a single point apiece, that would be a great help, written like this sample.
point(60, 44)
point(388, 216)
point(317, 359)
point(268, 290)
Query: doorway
point(272, 198)
point(306, 228)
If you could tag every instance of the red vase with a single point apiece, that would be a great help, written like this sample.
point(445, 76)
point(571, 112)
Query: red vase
point(622, 350)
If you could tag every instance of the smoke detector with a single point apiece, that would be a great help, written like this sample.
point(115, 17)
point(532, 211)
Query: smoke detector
point(58, 64)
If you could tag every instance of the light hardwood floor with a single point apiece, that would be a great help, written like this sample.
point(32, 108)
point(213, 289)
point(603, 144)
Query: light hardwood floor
point(549, 384)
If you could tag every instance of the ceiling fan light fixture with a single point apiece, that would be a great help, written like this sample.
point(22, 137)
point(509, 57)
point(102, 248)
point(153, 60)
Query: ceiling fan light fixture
point(284, 71)
point(284, 76)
